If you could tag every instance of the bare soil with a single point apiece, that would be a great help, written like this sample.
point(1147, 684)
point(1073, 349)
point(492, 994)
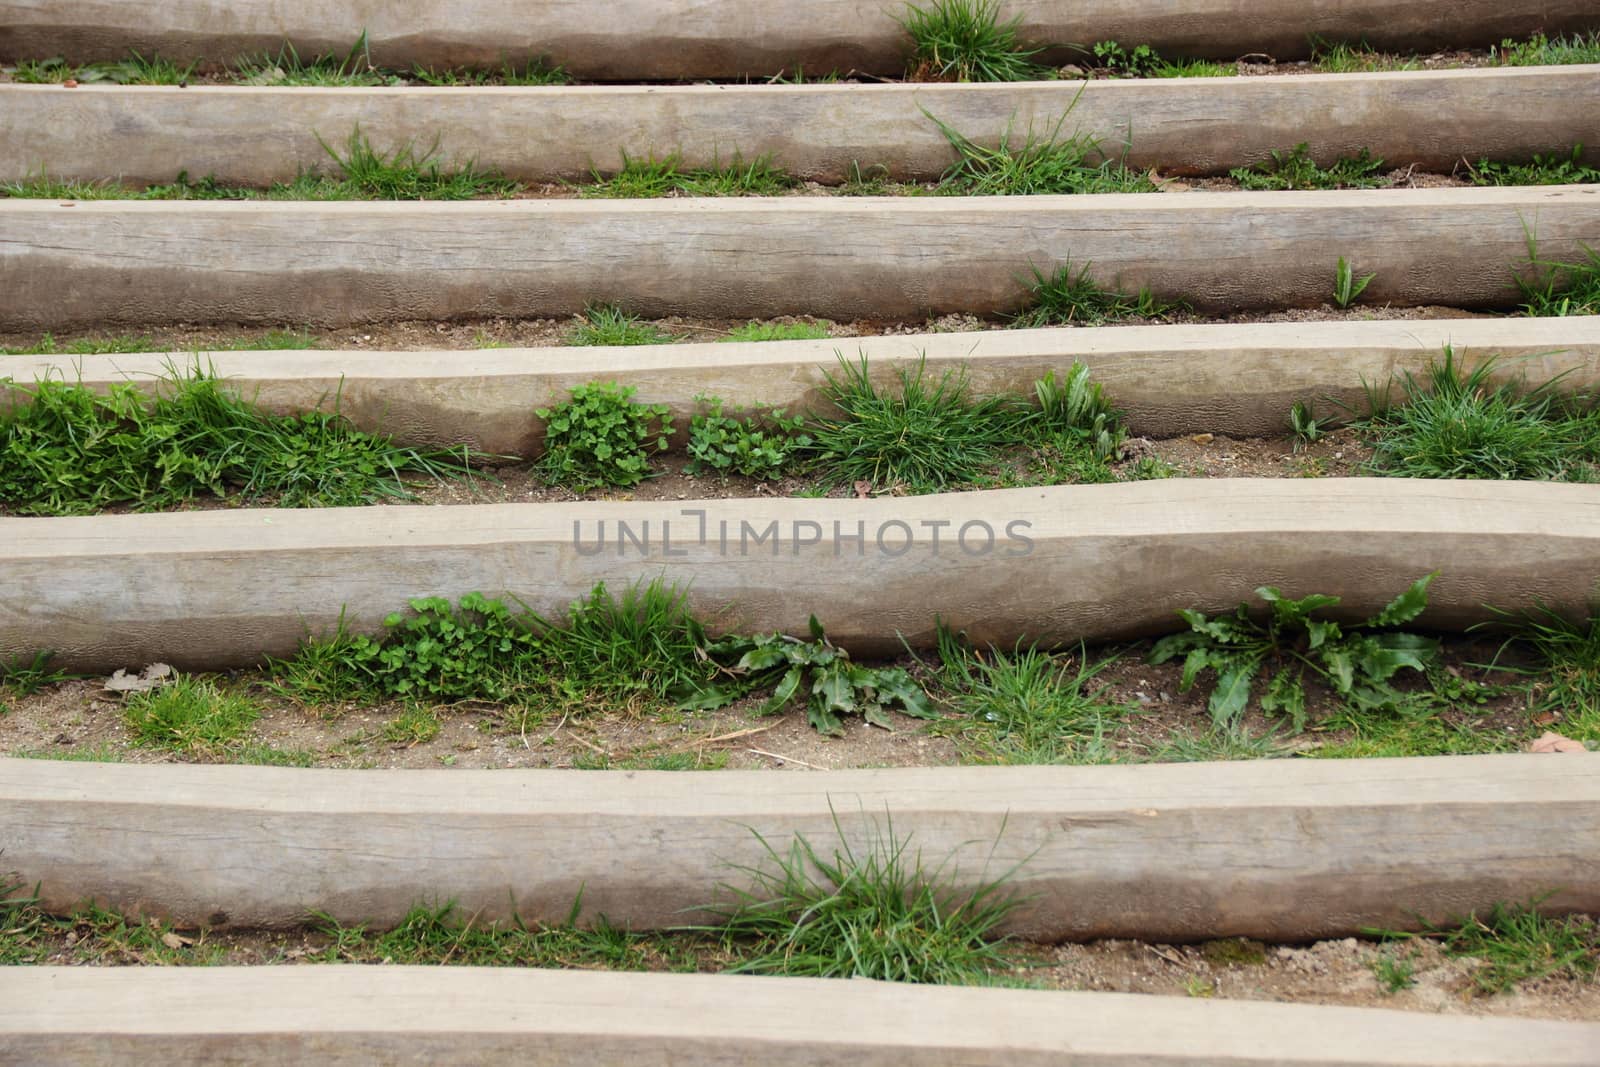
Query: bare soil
point(468, 336)
point(79, 719)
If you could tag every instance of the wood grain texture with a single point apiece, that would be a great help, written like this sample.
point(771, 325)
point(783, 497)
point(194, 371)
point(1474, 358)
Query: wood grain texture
point(1168, 380)
point(363, 1015)
point(221, 588)
point(64, 265)
point(1428, 119)
point(1280, 850)
point(619, 40)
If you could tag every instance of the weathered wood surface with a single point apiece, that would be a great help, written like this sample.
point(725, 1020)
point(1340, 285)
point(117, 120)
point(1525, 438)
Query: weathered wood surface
point(1432, 120)
point(650, 39)
point(1281, 850)
point(362, 1015)
point(1238, 380)
point(73, 264)
point(210, 589)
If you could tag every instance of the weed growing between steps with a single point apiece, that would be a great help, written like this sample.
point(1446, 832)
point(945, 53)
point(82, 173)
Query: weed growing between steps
point(924, 433)
point(651, 177)
point(1295, 169)
point(609, 325)
point(1542, 51)
point(1565, 659)
point(1561, 287)
point(1457, 424)
point(1042, 163)
point(265, 341)
point(1555, 169)
point(871, 910)
point(1355, 662)
point(602, 436)
point(67, 450)
point(965, 41)
point(405, 172)
point(1515, 944)
point(1068, 296)
point(764, 446)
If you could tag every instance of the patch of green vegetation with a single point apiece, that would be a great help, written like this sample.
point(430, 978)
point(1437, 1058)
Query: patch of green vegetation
point(602, 436)
point(533, 72)
point(68, 450)
point(1394, 973)
point(652, 177)
point(1140, 61)
point(1561, 287)
point(272, 341)
point(1542, 51)
point(875, 911)
point(134, 70)
point(30, 936)
point(1567, 655)
point(1564, 169)
point(1075, 415)
point(1345, 57)
point(24, 676)
point(1194, 68)
point(1296, 169)
point(923, 433)
point(268, 756)
point(1026, 706)
point(764, 446)
point(965, 41)
point(666, 761)
point(1458, 424)
point(1234, 952)
point(1355, 663)
point(1041, 163)
point(355, 68)
point(778, 331)
point(607, 324)
point(403, 173)
point(416, 725)
point(1515, 943)
point(189, 715)
point(633, 647)
point(102, 753)
point(1347, 288)
point(1232, 744)
point(1071, 297)
point(833, 684)
point(1412, 727)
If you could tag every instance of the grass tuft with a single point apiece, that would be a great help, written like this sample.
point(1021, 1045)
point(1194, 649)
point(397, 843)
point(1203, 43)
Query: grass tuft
point(533, 72)
point(286, 68)
point(1457, 424)
point(778, 331)
point(871, 911)
point(651, 177)
point(607, 324)
point(407, 174)
point(1555, 169)
point(965, 41)
point(189, 715)
point(925, 435)
point(67, 450)
point(1514, 943)
point(1027, 706)
point(1542, 51)
point(1296, 169)
point(1042, 163)
point(1072, 297)
point(1345, 57)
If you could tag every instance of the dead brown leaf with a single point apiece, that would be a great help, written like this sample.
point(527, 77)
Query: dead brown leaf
point(1553, 742)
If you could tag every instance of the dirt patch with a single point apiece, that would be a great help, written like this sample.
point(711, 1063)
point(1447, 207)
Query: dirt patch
point(1151, 718)
point(472, 335)
point(1327, 972)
